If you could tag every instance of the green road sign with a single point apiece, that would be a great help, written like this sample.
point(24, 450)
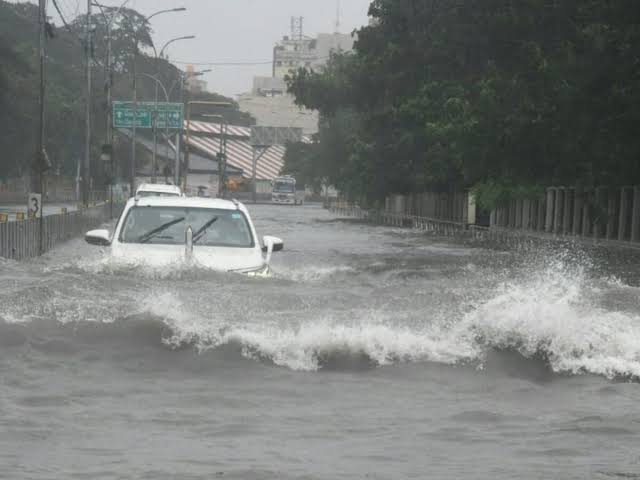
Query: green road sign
point(162, 115)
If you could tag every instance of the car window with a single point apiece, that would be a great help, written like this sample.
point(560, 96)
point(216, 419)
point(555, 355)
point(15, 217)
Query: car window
point(167, 226)
point(284, 187)
point(156, 194)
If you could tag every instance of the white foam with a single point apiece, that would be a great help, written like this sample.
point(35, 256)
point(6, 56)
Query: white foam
point(311, 273)
point(554, 309)
point(552, 312)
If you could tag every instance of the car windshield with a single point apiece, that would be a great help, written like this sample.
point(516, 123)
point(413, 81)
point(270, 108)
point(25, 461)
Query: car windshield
point(156, 194)
point(284, 187)
point(167, 226)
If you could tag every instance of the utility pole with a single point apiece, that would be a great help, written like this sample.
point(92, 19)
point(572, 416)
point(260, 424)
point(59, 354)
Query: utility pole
point(154, 160)
point(132, 180)
point(222, 162)
point(86, 175)
point(107, 148)
point(132, 172)
point(109, 145)
point(158, 57)
point(37, 179)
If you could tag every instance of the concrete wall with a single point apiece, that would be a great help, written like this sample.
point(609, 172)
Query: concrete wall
point(457, 207)
point(611, 213)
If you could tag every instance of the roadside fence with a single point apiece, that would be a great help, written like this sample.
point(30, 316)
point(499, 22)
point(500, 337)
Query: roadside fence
point(20, 240)
point(610, 214)
point(602, 213)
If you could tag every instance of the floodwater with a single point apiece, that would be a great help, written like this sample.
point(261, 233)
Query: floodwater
point(374, 353)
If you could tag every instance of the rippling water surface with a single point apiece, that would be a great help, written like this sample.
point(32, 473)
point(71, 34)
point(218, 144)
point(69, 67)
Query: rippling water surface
point(373, 353)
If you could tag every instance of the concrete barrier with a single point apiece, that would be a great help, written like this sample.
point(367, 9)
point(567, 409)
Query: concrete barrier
point(610, 213)
point(602, 214)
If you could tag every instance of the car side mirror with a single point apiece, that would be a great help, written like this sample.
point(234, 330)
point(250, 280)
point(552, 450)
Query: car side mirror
point(276, 243)
point(98, 237)
point(271, 244)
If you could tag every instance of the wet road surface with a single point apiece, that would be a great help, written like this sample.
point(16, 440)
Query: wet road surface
point(373, 353)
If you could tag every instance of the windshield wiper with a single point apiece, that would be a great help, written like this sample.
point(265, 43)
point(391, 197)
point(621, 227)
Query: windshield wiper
point(198, 235)
point(149, 235)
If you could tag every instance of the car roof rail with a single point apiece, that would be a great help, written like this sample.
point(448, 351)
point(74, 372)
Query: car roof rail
point(236, 203)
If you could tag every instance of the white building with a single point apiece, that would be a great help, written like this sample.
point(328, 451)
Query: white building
point(271, 106)
point(268, 101)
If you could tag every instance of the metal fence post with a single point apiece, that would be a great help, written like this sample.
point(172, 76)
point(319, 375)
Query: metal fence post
point(635, 215)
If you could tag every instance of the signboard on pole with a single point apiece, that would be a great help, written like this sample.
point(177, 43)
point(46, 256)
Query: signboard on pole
point(34, 205)
point(267, 136)
point(164, 115)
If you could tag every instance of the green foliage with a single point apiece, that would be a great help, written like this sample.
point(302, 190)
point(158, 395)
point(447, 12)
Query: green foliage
point(300, 162)
point(66, 85)
point(485, 92)
point(491, 193)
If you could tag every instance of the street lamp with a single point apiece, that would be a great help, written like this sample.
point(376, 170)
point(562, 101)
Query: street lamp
point(155, 113)
point(135, 94)
point(183, 76)
point(180, 80)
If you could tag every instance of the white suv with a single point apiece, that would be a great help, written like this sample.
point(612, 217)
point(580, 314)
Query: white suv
point(212, 233)
point(158, 190)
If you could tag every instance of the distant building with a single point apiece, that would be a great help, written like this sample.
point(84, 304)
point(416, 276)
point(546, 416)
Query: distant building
point(278, 110)
point(328, 43)
point(268, 86)
point(269, 103)
point(297, 50)
point(193, 83)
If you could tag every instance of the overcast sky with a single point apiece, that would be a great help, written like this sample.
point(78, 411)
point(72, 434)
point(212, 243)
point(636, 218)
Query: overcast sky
point(234, 31)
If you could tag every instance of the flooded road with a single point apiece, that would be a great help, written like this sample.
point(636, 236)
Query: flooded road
point(373, 353)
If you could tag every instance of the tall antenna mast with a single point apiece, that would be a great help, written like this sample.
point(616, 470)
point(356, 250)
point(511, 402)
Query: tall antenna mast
point(297, 28)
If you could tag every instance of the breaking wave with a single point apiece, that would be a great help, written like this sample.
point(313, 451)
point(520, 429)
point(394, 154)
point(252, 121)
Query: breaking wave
point(312, 273)
point(556, 312)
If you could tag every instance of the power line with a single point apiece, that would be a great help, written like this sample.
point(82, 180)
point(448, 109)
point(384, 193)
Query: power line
point(64, 21)
point(218, 64)
point(232, 64)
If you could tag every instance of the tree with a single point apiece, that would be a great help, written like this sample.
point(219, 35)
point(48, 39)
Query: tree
point(485, 92)
point(65, 76)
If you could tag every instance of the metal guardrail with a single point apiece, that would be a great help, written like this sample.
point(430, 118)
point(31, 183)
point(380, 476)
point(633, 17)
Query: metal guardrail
point(378, 217)
point(20, 240)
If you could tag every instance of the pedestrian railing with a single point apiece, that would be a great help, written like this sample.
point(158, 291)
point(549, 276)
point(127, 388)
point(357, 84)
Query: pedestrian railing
point(20, 240)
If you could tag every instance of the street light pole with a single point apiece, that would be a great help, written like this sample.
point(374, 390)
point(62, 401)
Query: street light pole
point(155, 116)
point(39, 163)
point(86, 175)
point(135, 94)
point(180, 82)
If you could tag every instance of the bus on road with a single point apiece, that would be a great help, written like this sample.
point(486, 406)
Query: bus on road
point(285, 191)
